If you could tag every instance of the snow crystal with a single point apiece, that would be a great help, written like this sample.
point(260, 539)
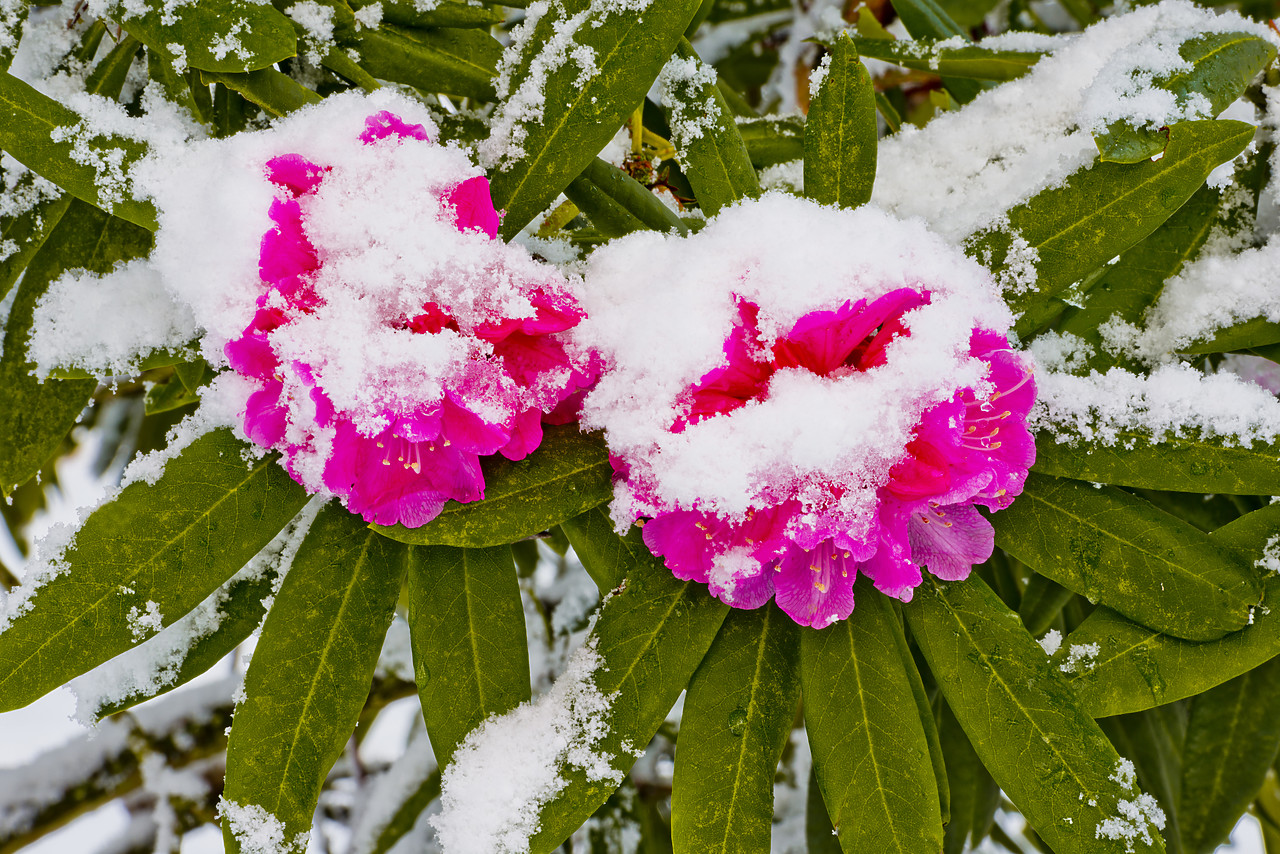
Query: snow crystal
point(1135, 816)
point(1060, 352)
point(787, 176)
point(1173, 400)
point(229, 43)
point(819, 75)
point(961, 177)
point(179, 54)
point(258, 831)
point(317, 20)
point(654, 293)
point(145, 621)
point(1051, 641)
point(1081, 658)
point(1270, 560)
point(509, 767)
point(68, 331)
point(369, 16)
point(681, 83)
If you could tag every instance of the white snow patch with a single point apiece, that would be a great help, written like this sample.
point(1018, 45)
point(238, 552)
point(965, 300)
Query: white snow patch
point(1051, 641)
point(1081, 658)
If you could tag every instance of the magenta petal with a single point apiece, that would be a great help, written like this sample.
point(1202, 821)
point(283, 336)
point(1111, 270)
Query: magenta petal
point(251, 355)
point(815, 587)
point(387, 124)
point(682, 539)
point(526, 435)
point(295, 173)
point(823, 341)
point(285, 251)
point(892, 574)
point(749, 591)
point(950, 540)
point(473, 206)
point(467, 432)
point(264, 417)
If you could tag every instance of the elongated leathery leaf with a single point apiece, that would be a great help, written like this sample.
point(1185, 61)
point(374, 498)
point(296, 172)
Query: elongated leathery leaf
point(277, 93)
point(310, 675)
point(567, 475)
point(584, 106)
point(1232, 738)
point(450, 13)
point(737, 717)
point(772, 140)
point(974, 795)
point(1155, 748)
point(705, 133)
point(51, 140)
point(1138, 668)
point(213, 35)
point(927, 19)
point(1023, 720)
point(1187, 463)
point(1120, 550)
point(1245, 335)
point(25, 231)
point(35, 416)
point(652, 634)
point(618, 204)
point(1219, 66)
point(142, 561)
point(840, 136)
point(1066, 233)
point(968, 61)
point(868, 742)
point(467, 628)
point(455, 62)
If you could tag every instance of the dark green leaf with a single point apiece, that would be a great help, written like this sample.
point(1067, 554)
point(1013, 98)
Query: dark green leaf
point(1117, 549)
point(771, 141)
point(1021, 717)
point(651, 635)
point(168, 396)
point(28, 123)
point(1232, 738)
point(276, 93)
point(171, 544)
point(715, 159)
point(618, 204)
point(974, 795)
point(28, 231)
point(606, 557)
point(1138, 668)
point(1146, 739)
point(35, 416)
point(568, 474)
point(968, 61)
point(447, 13)
point(214, 35)
point(579, 117)
point(1248, 334)
point(925, 19)
point(109, 75)
point(737, 716)
point(1186, 463)
point(12, 19)
point(452, 61)
point(868, 741)
point(1101, 211)
point(311, 671)
point(466, 623)
point(840, 135)
point(1042, 601)
point(820, 837)
point(1220, 66)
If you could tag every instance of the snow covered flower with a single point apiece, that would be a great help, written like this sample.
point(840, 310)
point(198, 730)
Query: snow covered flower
point(798, 394)
point(396, 341)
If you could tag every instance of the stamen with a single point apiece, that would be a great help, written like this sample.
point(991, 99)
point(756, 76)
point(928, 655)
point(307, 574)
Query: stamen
point(822, 588)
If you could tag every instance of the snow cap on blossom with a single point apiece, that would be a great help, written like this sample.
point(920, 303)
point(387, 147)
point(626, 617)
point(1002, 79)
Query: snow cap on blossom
point(394, 341)
point(798, 394)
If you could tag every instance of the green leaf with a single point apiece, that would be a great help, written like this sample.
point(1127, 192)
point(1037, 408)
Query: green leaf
point(1220, 66)
point(1155, 749)
point(868, 741)
point(109, 75)
point(840, 135)
point(606, 558)
point(466, 622)
point(276, 93)
point(1139, 668)
point(1188, 463)
point(1120, 550)
point(568, 474)
point(455, 62)
point(12, 19)
point(820, 837)
point(1099, 212)
point(771, 140)
point(28, 230)
point(1042, 601)
point(969, 61)
point(447, 13)
point(1232, 738)
point(618, 204)
point(737, 717)
point(1021, 717)
point(651, 635)
point(36, 416)
point(214, 35)
point(974, 795)
point(90, 167)
point(926, 19)
point(171, 545)
point(1245, 335)
point(311, 671)
point(711, 149)
point(578, 117)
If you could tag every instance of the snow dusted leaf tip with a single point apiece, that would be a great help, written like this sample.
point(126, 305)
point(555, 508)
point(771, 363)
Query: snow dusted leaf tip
point(803, 427)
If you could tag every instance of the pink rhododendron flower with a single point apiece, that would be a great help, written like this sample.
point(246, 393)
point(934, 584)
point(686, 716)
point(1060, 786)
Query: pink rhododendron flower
point(388, 354)
point(854, 400)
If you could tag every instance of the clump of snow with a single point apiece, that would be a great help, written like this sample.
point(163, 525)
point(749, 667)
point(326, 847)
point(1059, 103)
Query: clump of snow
point(650, 293)
point(1081, 658)
point(819, 75)
point(69, 332)
point(961, 177)
point(145, 621)
point(787, 176)
point(1270, 560)
point(316, 19)
point(1060, 352)
point(693, 115)
point(1134, 816)
point(1051, 641)
point(511, 766)
point(258, 831)
point(369, 17)
point(1173, 400)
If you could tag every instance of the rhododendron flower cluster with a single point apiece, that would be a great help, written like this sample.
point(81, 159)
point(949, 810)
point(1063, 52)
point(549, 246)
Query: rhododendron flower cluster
point(389, 356)
point(824, 393)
